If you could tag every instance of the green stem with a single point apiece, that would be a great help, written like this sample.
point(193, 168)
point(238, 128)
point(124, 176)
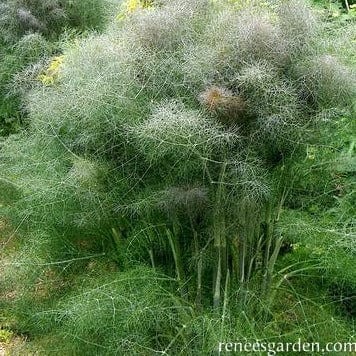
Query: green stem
point(347, 5)
point(286, 277)
point(271, 264)
point(150, 251)
point(217, 289)
point(242, 256)
point(219, 237)
point(226, 300)
point(199, 270)
point(268, 238)
point(174, 243)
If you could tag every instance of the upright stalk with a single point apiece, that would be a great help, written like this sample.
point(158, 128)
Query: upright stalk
point(176, 251)
point(217, 288)
point(219, 238)
point(268, 246)
point(199, 270)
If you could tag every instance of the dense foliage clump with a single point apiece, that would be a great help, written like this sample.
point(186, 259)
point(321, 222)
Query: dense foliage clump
point(30, 33)
point(19, 17)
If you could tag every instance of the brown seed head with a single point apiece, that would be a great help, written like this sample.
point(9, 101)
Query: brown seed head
point(229, 107)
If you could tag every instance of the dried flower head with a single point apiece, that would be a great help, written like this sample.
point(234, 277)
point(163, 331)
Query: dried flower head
point(228, 106)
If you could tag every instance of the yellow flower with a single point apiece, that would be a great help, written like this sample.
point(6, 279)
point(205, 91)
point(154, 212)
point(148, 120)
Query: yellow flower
point(51, 74)
point(133, 5)
point(130, 6)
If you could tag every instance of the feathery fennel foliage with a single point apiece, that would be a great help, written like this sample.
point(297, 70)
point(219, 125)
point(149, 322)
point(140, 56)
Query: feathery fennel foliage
point(144, 100)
